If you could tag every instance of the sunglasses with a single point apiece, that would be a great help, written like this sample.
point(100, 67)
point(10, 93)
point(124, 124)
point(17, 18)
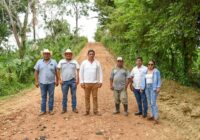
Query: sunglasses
point(150, 64)
point(91, 54)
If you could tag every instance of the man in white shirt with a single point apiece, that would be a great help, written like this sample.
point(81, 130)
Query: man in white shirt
point(136, 74)
point(68, 70)
point(91, 79)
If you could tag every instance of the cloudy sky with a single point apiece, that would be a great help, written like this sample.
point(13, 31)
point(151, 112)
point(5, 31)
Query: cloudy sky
point(87, 25)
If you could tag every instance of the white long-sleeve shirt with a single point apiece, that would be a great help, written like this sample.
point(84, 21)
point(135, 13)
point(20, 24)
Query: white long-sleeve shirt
point(137, 74)
point(91, 72)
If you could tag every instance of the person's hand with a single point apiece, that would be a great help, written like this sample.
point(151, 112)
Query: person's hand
point(131, 87)
point(61, 82)
point(99, 85)
point(77, 82)
point(83, 85)
point(111, 87)
point(157, 90)
point(56, 83)
point(141, 90)
point(37, 84)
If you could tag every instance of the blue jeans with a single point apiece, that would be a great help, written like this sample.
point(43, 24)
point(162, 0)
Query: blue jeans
point(151, 97)
point(65, 88)
point(141, 101)
point(47, 89)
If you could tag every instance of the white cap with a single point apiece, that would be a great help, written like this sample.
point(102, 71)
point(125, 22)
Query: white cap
point(119, 59)
point(46, 51)
point(68, 51)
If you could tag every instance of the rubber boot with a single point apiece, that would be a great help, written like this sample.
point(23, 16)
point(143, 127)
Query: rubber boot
point(125, 110)
point(117, 108)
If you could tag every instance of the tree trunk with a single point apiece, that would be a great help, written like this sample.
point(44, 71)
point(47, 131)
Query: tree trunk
point(13, 24)
point(20, 43)
point(33, 10)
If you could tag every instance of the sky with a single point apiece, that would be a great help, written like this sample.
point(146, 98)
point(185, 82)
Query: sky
point(87, 25)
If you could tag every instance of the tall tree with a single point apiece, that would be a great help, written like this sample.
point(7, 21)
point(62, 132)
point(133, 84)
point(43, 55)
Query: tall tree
point(13, 8)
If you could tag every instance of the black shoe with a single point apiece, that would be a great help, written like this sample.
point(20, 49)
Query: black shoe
point(144, 116)
point(97, 114)
point(138, 113)
point(64, 111)
point(75, 110)
point(86, 113)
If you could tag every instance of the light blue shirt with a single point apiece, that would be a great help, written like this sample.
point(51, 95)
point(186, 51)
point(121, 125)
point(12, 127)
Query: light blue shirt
point(46, 71)
point(156, 80)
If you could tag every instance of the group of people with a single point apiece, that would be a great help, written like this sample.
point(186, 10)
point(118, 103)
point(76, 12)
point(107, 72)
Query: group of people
point(144, 81)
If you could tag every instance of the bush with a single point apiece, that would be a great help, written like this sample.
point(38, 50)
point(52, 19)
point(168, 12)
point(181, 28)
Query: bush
point(17, 74)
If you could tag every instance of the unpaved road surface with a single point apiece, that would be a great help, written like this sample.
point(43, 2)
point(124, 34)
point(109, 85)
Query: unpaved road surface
point(19, 118)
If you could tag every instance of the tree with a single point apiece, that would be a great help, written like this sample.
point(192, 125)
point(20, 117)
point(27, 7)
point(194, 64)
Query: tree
point(13, 8)
point(164, 30)
point(4, 28)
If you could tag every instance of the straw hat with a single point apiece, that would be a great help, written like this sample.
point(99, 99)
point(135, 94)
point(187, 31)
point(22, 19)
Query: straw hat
point(46, 51)
point(119, 59)
point(68, 51)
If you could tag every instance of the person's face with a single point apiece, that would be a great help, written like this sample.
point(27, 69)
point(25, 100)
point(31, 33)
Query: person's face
point(150, 65)
point(68, 56)
point(138, 62)
point(91, 55)
point(120, 63)
point(46, 56)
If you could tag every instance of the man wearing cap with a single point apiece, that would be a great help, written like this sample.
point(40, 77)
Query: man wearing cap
point(91, 79)
point(119, 80)
point(46, 78)
point(68, 70)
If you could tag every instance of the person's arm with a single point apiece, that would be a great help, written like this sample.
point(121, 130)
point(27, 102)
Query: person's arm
point(77, 72)
point(127, 79)
point(111, 84)
point(131, 80)
point(59, 78)
point(158, 82)
point(56, 74)
point(77, 76)
point(81, 74)
point(36, 73)
point(111, 80)
point(143, 83)
point(100, 76)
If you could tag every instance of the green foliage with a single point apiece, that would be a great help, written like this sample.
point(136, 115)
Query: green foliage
point(17, 74)
point(58, 27)
point(167, 31)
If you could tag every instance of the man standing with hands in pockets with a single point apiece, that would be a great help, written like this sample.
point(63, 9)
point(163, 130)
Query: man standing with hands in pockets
point(91, 79)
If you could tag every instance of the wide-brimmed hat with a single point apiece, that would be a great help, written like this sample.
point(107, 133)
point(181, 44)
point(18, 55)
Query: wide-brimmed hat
point(46, 51)
point(119, 59)
point(68, 51)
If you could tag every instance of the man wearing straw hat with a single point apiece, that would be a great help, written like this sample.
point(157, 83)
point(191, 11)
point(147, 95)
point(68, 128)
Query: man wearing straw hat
point(91, 79)
point(46, 78)
point(119, 80)
point(68, 72)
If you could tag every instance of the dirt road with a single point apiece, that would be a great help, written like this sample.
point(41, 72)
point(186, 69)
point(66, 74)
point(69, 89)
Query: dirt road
point(19, 118)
